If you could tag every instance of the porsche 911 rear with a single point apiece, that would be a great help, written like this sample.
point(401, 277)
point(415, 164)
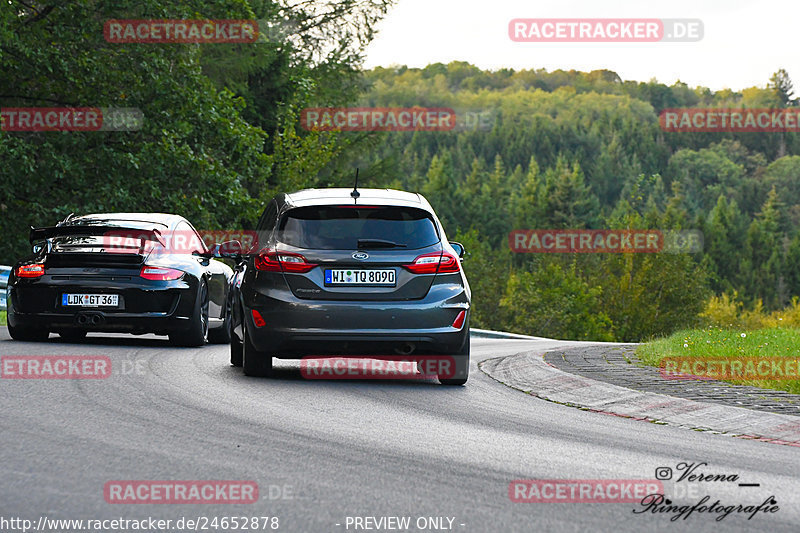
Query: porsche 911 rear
point(338, 275)
point(74, 292)
point(81, 280)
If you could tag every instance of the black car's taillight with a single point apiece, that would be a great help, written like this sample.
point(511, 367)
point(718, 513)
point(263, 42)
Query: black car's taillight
point(271, 261)
point(160, 273)
point(33, 270)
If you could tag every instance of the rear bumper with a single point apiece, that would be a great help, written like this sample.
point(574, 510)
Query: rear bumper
point(296, 327)
point(160, 308)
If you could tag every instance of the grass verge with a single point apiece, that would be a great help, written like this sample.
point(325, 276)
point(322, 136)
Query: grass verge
point(2, 318)
point(730, 344)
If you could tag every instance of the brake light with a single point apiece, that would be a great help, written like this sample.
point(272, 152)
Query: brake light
point(258, 320)
point(159, 273)
point(272, 261)
point(441, 263)
point(459, 321)
point(30, 271)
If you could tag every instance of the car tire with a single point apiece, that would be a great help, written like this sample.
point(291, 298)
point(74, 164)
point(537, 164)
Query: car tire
point(254, 362)
point(222, 334)
point(461, 358)
point(197, 333)
point(72, 335)
point(22, 333)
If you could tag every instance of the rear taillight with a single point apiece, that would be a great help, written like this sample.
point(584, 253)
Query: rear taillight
point(272, 261)
point(30, 271)
point(258, 320)
point(435, 263)
point(160, 273)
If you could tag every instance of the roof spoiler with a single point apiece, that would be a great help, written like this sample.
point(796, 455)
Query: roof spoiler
point(151, 234)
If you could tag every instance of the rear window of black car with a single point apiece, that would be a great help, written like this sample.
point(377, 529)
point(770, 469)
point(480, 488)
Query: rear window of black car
point(341, 227)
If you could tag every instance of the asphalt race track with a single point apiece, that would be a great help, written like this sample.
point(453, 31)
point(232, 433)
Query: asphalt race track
point(323, 451)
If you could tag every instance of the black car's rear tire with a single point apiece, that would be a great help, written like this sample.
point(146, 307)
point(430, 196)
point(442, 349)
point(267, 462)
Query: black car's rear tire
point(22, 333)
point(222, 334)
point(197, 333)
point(461, 358)
point(254, 362)
point(72, 335)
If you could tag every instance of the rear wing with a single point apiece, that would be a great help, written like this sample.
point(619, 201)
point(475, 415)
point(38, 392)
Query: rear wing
point(40, 234)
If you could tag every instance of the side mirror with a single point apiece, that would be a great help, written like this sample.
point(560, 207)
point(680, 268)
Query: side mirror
point(459, 248)
point(229, 249)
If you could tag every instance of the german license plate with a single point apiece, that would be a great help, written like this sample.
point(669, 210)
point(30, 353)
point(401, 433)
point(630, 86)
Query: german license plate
point(382, 277)
point(90, 300)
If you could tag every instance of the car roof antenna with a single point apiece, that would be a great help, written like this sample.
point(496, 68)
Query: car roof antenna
point(355, 194)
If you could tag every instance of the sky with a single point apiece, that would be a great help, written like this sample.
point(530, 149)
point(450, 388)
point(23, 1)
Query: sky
point(744, 41)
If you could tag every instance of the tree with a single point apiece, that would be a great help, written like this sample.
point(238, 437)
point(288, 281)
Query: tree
point(555, 302)
point(217, 132)
point(724, 236)
point(527, 203)
point(781, 84)
point(569, 202)
point(764, 255)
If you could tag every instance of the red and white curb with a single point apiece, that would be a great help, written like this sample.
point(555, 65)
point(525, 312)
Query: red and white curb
point(529, 372)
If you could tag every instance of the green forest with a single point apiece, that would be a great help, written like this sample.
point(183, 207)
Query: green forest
point(562, 149)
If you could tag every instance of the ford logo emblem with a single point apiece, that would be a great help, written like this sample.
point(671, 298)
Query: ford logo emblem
point(360, 256)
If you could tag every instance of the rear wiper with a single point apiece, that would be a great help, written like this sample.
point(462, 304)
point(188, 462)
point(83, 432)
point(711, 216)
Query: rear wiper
point(378, 243)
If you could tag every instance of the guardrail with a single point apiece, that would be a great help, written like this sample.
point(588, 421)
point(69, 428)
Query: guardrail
point(490, 334)
point(4, 273)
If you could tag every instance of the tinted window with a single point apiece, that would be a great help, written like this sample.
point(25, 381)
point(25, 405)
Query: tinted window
point(340, 228)
point(267, 221)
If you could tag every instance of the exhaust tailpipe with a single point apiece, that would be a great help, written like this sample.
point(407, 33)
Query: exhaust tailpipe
point(405, 349)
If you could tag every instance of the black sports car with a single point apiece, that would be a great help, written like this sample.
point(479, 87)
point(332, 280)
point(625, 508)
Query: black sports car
point(122, 272)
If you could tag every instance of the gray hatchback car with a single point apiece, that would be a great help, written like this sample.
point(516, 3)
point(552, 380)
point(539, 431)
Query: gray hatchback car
point(355, 273)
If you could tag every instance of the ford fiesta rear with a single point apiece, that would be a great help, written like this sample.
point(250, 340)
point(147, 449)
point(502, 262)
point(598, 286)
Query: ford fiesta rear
point(372, 276)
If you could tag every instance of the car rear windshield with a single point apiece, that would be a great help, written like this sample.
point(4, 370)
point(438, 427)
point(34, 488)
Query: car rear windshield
point(341, 227)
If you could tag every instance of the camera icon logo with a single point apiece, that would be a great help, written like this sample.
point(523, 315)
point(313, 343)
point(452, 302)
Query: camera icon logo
point(663, 473)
